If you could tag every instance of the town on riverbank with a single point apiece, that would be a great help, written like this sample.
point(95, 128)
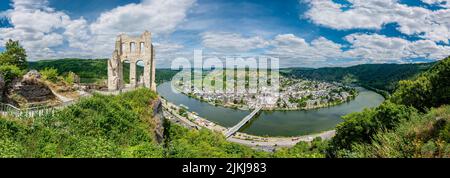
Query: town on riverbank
point(292, 94)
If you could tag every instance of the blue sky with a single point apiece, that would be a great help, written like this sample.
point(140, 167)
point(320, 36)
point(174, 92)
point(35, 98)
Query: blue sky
point(301, 33)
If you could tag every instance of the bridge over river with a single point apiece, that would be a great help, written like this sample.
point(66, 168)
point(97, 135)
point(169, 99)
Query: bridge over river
point(246, 119)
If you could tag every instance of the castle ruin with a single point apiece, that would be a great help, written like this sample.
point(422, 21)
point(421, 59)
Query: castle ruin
point(132, 49)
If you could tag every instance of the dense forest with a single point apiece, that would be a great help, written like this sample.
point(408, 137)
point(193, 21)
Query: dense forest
point(382, 77)
point(379, 77)
point(120, 126)
point(414, 122)
point(94, 70)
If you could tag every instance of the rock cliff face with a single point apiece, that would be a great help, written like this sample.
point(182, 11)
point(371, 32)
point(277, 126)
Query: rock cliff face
point(159, 120)
point(32, 88)
point(2, 87)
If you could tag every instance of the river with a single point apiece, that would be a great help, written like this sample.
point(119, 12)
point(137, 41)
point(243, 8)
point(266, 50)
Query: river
point(275, 123)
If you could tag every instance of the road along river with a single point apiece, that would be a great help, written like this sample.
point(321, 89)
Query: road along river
point(275, 123)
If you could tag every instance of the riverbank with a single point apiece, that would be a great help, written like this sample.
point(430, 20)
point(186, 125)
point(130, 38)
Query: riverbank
point(290, 94)
point(193, 121)
point(246, 108)
point(275, 123)
point(271, 143)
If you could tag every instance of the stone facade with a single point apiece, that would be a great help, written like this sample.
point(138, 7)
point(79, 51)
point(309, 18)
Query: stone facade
point(132, 49)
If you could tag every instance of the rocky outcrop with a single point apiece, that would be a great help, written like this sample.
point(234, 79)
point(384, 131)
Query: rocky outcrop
point(2, 87)
point(159, 119)
point(31, 75)
point(32, 88)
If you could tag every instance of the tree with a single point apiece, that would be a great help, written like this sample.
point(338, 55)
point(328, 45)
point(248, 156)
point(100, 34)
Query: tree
point(315, 149)
point(14, 55)
point(416, 93)
point(9, 73)
point(429, 89)
point(360, 127)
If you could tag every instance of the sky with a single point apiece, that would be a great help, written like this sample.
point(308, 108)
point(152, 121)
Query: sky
point(301, 33)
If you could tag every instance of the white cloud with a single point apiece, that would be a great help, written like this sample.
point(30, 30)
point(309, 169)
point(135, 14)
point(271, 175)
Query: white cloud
point(224, 41)
point(318, 50)
point(167, 47)
point(373, 14)
point(363, 48)
point(157, 16)
point(160, 16)
point(31, 4)
point(293, 50)
point(34, 25)
point(41, 29)
point(442, 3)
point(379, 48)
point(77, 34)
point(428, 49)
point(48, 33)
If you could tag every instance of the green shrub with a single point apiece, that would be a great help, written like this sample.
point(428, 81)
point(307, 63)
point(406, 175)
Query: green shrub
point(11, 149)
point(12, 138)
point(144, 150)
point(184, 143)
point(315, 149)
point(100, 126)
point(70, 78)
point(429, 89)
point(359, 127)
point(50, 74)
point(10, 72)
point(424, 136)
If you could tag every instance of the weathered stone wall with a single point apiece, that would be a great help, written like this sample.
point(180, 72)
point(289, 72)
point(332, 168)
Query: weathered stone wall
point(132, 49)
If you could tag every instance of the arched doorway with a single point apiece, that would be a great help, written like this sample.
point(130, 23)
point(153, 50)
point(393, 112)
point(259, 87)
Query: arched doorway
point(126, 73)
point(140, 72)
